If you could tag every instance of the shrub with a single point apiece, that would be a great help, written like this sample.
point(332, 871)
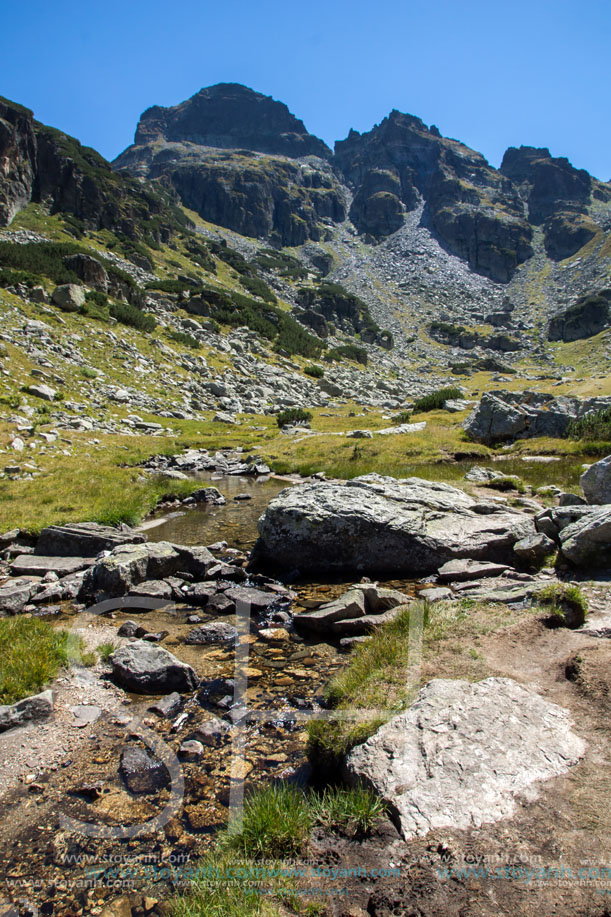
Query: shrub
point(348, 352)
point(286, 266)
point(402, 417)
point(187, 340)
point(435, 401)
point(592, 427)
point(130, 315)
point(506, 482)
point(105, 650)
point(293, 415)
point(258, 287)
point(317, 372)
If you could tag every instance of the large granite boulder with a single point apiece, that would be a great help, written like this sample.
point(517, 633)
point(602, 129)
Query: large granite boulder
point(503, 415)
point(383, 525)
point(587, 541)
point(465, 754)
point(146, 668)
point(596, 481)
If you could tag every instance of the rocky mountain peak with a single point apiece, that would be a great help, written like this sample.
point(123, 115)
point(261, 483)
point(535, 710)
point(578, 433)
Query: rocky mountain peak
point(231, 116)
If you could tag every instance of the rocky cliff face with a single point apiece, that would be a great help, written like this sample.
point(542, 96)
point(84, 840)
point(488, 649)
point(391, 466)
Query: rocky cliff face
point(17, 159)
point(43, 165)
point(476, 212)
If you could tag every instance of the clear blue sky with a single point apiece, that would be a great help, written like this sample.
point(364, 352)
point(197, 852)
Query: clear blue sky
point(492, 74)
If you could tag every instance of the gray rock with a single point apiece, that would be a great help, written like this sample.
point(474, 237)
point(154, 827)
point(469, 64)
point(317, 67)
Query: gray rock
point(492, 420)
point(568, 499)
point(42, 391)
point(16, 593)
point(210, 495)
point(142, 773)
point(200, 593)
point(31, 709)
point(256, 600)
point(191, 750)
point(480, 475)
point(213, 732)
point(596, 481)
point(534, 548)
point(553, 520)
point(154, 589)
point(358, 611)
point(37, 565)
point(168, 706)
point(219, 604)
point(456, 571)
point(84, 539)
point(587, 542)
point(128, 566)
point(465, 754)
point(380, 524)
point(435, 594)
point(217, 632)
point(145, 668)
point(69, 297)
point(128, 629)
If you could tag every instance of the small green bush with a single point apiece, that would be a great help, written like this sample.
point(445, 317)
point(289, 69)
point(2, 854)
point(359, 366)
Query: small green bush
point(505, 483)
point(348, 352)
point(257, 287)
point(567, 604)
point(293, 415)
point(105, 650)
point(402, 417)
point(593, 427)
point(187, 340)
point(435, 401)
point(316, 372)
point(130, 315)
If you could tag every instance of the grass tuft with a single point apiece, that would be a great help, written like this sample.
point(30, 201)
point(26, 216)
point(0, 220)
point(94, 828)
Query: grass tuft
point(31, 654)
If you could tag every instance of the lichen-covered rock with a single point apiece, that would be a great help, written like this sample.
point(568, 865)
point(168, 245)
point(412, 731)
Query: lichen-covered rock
point(465, 754)
point(381, 524)
point(587, 541)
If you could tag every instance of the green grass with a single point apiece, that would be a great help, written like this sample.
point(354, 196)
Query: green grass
point(276, 822)
point(594, 427)
point(31, 654)
point(505, 483)
point(567, 604)
point(354, 811)
point(105, 650)
point(402, 417)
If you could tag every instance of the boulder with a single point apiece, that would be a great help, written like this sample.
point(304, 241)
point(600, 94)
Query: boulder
point(596, 481)
point(465, 754)
point(251, 599)
point(153, 589)
point(358, 611)
point(42, 391)
point(31, 709)
point(553, 520)
point(16, 593)
point(534, 548)
point(84, 539)
point(210, 495)
point(587, 542)
point(89, 270)
point(69, 297)
point(146, 668)
point(126, 567)
point(381, 524)
point(141, 772)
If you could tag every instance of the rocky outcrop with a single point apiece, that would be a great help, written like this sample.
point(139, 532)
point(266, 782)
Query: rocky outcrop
point(548, 184)
point(359, 611)
point(84, 539)
point(17, 159)
point(566, 233)
point(596, 481)
point(473, 209)
point(504, 415)
point(381, 524)
point(231, 116)
point(465, 754)
point(586, 317)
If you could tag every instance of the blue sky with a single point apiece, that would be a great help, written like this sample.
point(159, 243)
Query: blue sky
point(492, 74)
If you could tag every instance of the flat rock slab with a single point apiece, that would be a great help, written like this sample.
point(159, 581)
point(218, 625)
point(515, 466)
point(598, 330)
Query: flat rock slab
point(146, 668)
point(358, 611)
point(464, 754)
point(217, 632)
point(39, 565)
point(15, 593)
point(84, 539)
point(383, 525)
point(455, 571)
